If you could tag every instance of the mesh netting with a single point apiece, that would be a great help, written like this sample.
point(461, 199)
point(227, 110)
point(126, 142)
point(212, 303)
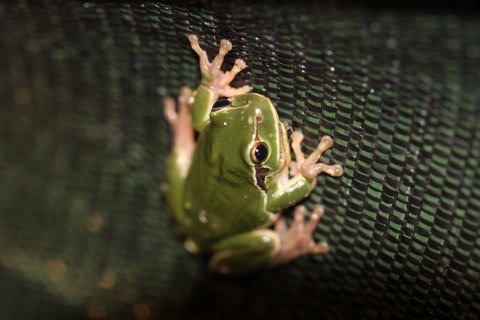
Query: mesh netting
point(83, 232)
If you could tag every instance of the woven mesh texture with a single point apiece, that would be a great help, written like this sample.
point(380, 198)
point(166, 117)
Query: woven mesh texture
point(83, 232)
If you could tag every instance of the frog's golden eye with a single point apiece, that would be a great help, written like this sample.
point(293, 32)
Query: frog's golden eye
point(259, 152)
point(220, 104)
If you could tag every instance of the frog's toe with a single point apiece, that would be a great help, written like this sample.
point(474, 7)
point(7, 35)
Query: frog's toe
point(225, 46)
point(240, 64)
point(317, 214)
point(193, 39)
point(202, 54)
point(337, 170)
point(169, 112)
point(319, 210)
point(326, 142)
point(232, 92)
point(226, 78)
point(320, 248)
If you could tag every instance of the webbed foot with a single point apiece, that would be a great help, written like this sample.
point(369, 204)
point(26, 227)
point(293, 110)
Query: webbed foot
point(308, 167)
point(212, 75)
point(298, 239)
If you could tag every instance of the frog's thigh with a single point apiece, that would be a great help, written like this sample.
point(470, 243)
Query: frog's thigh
point(244, 252)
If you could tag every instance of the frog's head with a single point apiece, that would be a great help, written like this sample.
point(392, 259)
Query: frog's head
point(252, 136)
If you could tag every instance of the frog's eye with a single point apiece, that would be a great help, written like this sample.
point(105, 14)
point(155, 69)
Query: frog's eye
point(220, 103)
point(259, 153)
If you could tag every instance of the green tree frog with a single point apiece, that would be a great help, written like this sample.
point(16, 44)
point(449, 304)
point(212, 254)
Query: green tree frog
point(230, 173)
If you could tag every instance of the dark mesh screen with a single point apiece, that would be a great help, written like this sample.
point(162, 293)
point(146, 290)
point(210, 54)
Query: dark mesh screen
point(83, 232)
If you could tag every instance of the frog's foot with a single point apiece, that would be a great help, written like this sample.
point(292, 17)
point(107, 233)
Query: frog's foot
point(212, 75)
point(297, 240)
point(309, 167)
point(180, 122)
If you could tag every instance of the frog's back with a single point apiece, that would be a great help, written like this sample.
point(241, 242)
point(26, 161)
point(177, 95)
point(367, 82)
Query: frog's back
point(217, 205)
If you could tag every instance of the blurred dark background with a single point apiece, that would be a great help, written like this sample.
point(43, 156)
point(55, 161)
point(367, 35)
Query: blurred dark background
point(83, 230)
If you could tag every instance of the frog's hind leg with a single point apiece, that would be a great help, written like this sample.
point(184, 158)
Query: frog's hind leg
point(183, 146)
point(298, 239)
point(244, 252)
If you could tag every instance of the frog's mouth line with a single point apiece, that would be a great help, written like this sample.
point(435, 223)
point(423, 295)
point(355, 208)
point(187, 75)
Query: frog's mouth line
point(260, 174)
point(283, 143)
point(260, 171)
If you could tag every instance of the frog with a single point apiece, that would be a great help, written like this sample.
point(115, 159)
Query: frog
point(230, 173)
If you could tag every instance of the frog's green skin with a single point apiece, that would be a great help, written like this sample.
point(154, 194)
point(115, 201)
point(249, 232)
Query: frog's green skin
point(222, 195)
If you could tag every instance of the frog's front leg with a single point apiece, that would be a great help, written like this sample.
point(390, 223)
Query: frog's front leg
point(212, 75)
point(309, 167)
point(183, 146)
point(215, 83)
point(297, 240)
point(305, 172)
